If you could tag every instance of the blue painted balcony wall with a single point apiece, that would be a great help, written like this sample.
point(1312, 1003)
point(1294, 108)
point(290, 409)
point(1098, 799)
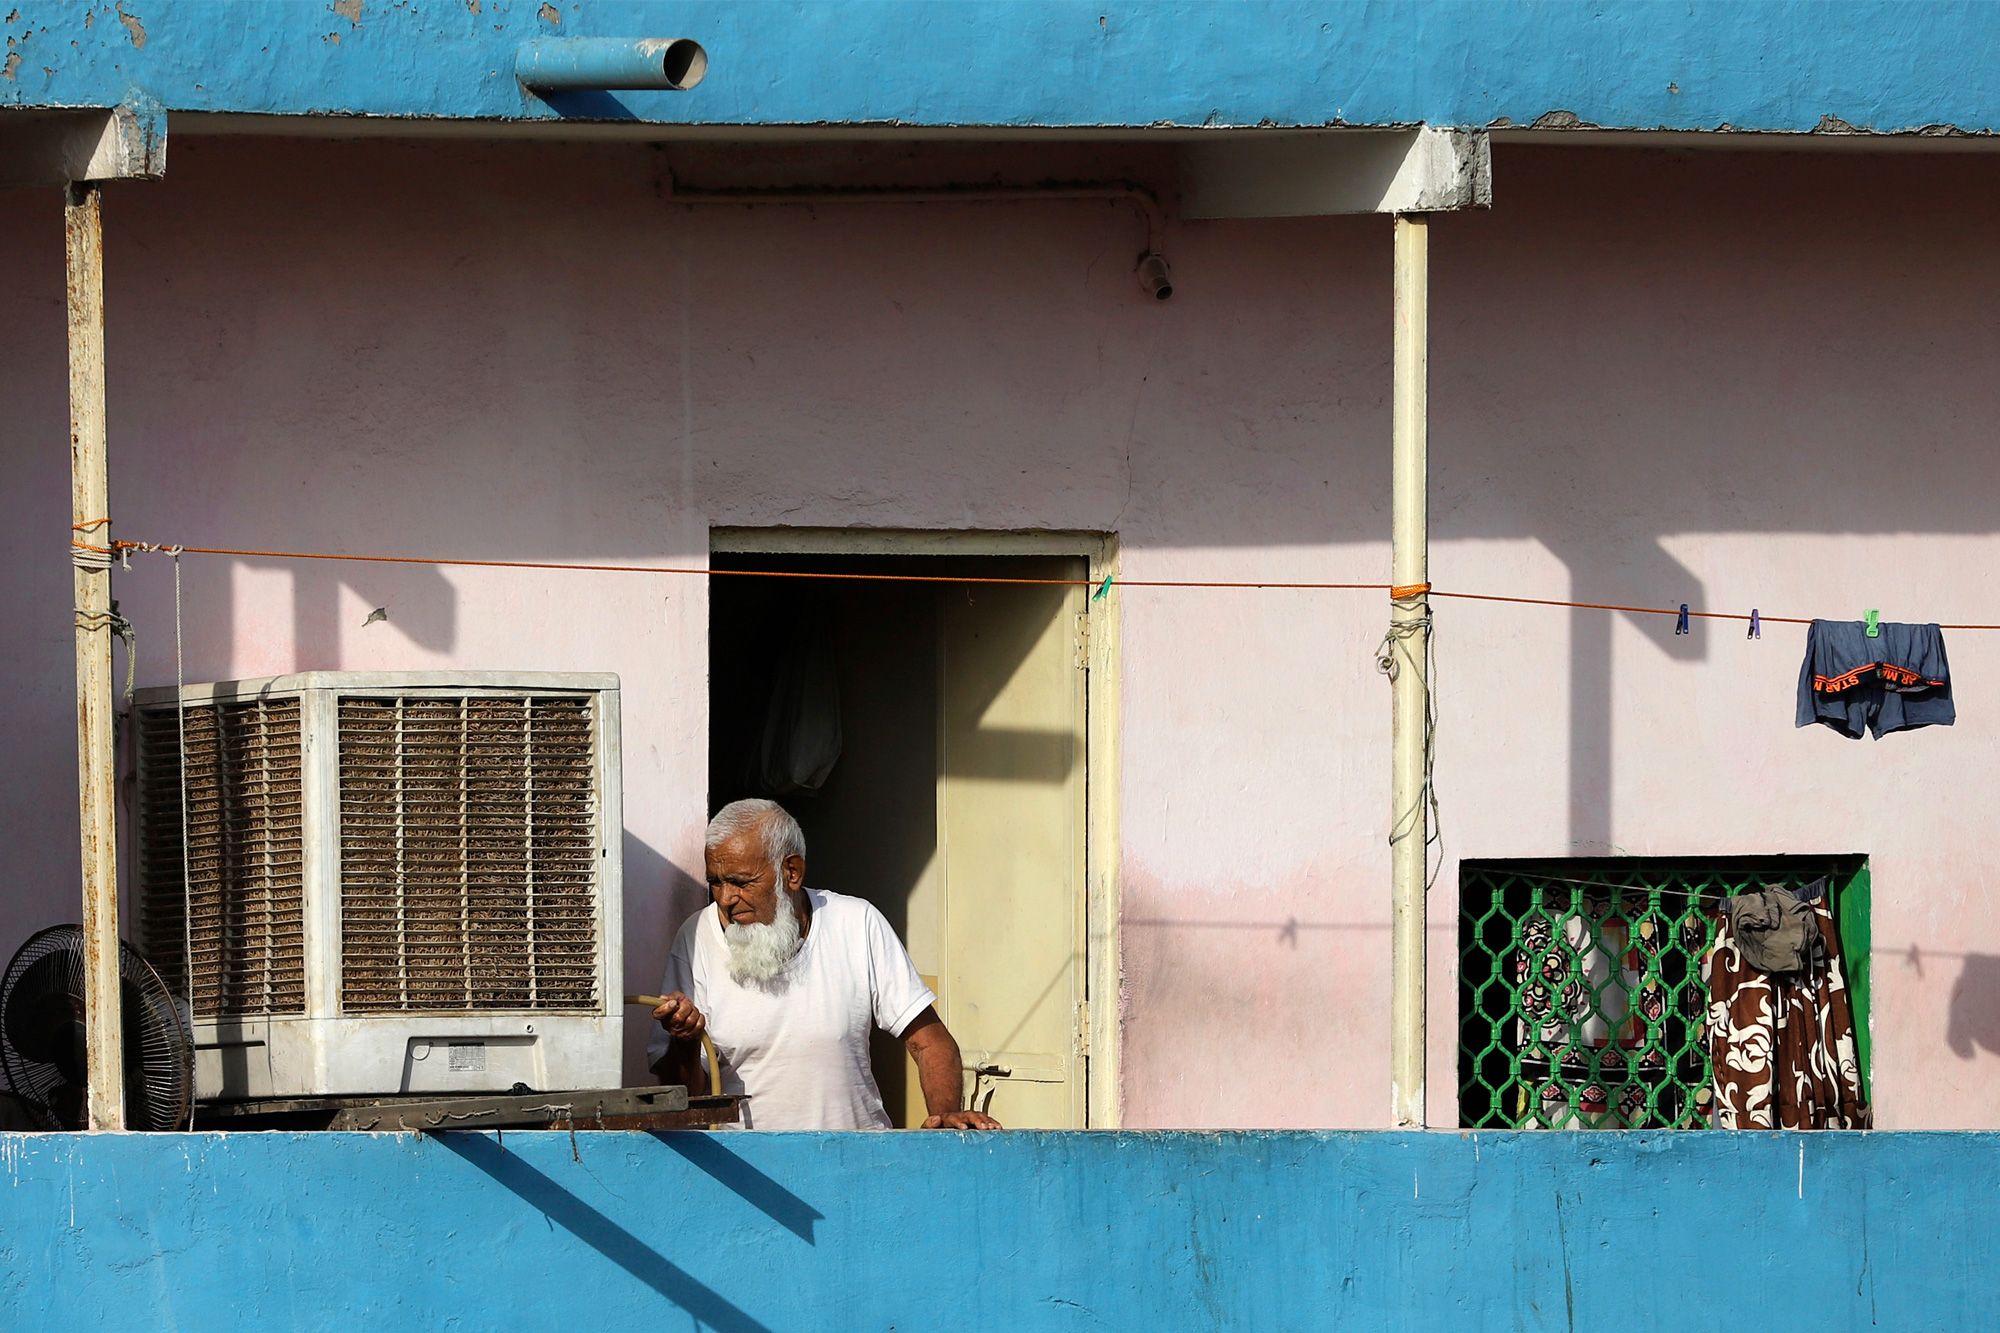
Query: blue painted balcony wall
point(1023, 1232)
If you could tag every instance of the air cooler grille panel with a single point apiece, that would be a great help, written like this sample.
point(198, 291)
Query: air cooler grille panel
point(245, 855)
point(468, 852)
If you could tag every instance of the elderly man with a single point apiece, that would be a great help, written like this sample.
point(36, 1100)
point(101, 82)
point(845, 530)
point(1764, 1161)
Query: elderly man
point(787, 982)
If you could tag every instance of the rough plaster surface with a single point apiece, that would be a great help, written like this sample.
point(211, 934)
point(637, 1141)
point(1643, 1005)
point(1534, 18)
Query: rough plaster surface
point(753, 1232)
point(1732, 381)
point(1769, 65)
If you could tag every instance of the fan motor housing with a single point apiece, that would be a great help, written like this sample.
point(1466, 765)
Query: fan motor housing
point(403, 882)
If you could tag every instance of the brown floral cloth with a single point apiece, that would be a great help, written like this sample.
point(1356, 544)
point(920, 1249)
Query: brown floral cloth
point(1782, 1046)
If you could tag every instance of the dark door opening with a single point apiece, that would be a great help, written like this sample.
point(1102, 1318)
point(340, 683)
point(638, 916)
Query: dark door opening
point(936, 783)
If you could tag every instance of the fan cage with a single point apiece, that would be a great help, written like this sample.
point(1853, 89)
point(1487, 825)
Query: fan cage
point(42, 999)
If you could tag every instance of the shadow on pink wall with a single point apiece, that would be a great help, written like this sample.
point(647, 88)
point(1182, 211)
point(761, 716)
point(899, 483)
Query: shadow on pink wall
point(1974, 1024)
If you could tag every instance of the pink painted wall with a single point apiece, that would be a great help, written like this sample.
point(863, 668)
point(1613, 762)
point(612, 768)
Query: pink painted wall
point(1733, 380)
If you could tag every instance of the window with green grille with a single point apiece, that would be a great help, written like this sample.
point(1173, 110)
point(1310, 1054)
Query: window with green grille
point(1581, 999)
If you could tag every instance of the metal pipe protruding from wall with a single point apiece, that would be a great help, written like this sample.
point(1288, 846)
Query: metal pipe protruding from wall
point(104, 1052)
point(578, 64)
point(1409, 640)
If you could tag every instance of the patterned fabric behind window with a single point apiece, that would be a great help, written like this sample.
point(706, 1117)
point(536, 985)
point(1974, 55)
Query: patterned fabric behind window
point(1584, 1001)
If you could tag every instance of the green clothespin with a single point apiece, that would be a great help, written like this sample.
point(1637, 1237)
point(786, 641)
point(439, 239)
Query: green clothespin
point(1104, 591)
point(1874, 623)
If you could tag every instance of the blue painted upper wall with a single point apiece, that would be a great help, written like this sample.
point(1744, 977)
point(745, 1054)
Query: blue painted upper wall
point(1640, 64)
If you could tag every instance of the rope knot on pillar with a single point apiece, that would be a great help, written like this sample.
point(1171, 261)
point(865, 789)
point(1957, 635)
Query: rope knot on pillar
point(96, 620)
point(1408, 642)
point(1411, 620)
point(85, 555)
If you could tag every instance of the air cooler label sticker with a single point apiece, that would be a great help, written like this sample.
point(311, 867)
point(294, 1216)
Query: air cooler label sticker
point(468, 1057)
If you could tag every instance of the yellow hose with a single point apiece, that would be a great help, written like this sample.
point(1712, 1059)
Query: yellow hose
point(707, 1046)
point(714, 1066)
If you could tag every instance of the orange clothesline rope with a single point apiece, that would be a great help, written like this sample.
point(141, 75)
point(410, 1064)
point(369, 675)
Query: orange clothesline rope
point(1414, 590)
point(747, 573)
point(1655, 610)
point(1640, 610)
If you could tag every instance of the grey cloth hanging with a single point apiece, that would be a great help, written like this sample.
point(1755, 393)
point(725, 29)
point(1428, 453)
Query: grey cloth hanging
point(1775, 929)
point(801, 740)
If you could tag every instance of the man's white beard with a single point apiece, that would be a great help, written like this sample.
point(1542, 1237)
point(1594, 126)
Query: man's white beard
point(758, 953)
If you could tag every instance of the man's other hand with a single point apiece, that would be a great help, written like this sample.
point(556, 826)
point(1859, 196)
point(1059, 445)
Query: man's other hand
point(681, 1019)
point(962, 1120)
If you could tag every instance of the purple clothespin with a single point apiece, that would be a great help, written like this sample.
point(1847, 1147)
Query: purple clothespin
point(1756, 625)
point(1681, 625)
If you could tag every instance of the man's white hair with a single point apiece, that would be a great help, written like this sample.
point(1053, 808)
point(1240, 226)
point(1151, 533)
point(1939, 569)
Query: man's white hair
point(781, 833)
point(758, 953)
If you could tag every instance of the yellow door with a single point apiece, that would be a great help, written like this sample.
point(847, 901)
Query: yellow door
point(1011, 676)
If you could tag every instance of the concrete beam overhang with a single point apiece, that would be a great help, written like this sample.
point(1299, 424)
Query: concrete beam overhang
point(1360, 171)
point(56, 147)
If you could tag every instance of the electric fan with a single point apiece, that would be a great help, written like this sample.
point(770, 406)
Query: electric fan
point(42, 1036)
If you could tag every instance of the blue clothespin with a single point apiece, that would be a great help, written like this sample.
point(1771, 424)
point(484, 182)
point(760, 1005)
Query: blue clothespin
point(1681, 625)
point(1874, 623)
point(1103, 591)
point(1756, 625)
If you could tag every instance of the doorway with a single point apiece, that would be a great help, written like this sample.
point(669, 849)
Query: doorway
point(933, 740)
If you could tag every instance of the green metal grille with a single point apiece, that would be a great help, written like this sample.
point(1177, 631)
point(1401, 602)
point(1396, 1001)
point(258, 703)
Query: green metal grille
point(1581, 998)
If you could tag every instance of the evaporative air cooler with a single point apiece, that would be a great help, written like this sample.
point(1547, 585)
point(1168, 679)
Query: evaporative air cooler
point(394, 883)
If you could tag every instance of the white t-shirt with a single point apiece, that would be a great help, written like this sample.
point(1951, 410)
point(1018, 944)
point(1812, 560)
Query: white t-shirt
point(801, 1049)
